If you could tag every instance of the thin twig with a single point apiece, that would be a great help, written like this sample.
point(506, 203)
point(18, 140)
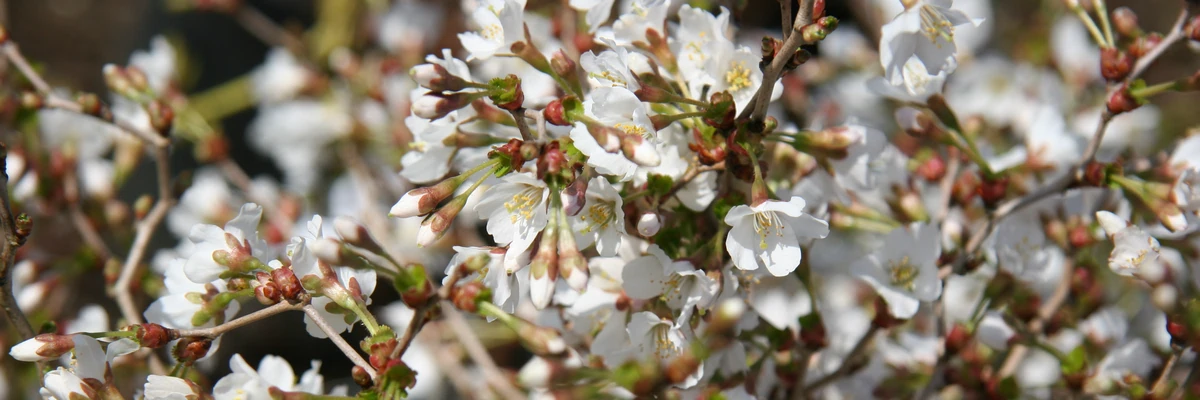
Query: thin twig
point(267, 30)
point(848, 363)
point(756, 109)
point(479, 354)
point(8, 253)
point(1160, 384)
point(1038, 323)
point(235, 174)
point(785, 13)
point(410, 333)
point(337, 339)
point(213, 332)
point(522, 125)
point(80, 220)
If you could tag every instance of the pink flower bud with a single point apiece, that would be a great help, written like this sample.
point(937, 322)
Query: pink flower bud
point(44, 347)
point(640, 151)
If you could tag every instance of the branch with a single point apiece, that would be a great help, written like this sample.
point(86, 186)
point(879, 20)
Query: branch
point(479, 354)
point(8, 253)
point(79, 219)
point(336, 337)
point(756, 109)
point(213, 332)
point(410, 333)
point(847, 363)
point(1038, 323)
point(267, 30)
point(1160, 384)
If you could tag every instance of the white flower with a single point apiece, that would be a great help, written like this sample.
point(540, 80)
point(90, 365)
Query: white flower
point(428, 156)
point(246, 383)
point(597, 12)
point(1050, 143)
point(294, 134)
point(1074, 51)
point(176, 308)
point(780, 301)
point(924, 30)
point(643, 14)
point(89, 136)
point(495, 275)
point(1186, 154)
point(242, 231)
point(619, 108)
point(612, 68)
point(516, 212)
point(602, 219)
point(501, 23)
point(904, 271)
point(698, 30)
point(279, 78)
point(1131, 358)
point(914, 83)
point(1186, 191)
point(90, 362)
point(158, 64)
point(734, 69)
point(679, 283)
point(411, 23)
point(768, 235)
point(1134, 251)
point(304, 262)
point(160, 387)
point(208, 200)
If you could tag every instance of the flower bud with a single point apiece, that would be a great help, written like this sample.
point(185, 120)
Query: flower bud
point(267, 293)
point(932, 169)
point(574, 197)
point(654, 94)
point(1164, 297)
point(436, 225)
point(354, 233)
point(436, 78)
point(435, 106)
point(424, 200)
point(1122, 101)
point(540, 340)
point(543, 269)
point(162, 116)
point(1193, 29)
point(832, 143)
point(649, 223)
point(565, 68)
point(992, 190)
point(729, 313)
point(114, 77)
point(289, 285)
point(44, 347)
point(571, 263)
point(190, 349)
point(1170, 215)
point(554, 113)
point(466, 297)
point(917, 123)
point(152, 335)
point(681, 367)
point(1126, 22)
point(1115, 64)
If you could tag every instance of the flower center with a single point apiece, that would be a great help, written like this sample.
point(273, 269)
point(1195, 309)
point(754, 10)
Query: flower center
point(418, 146)
point(522, 204)
point(766, 223)
point(935, 25)
point(663, 346)
point(493, 32)
point(633, 129)
point(916, 77)
point(738, 76)
point(904, 274)
point(609, 76)
point(598, 216)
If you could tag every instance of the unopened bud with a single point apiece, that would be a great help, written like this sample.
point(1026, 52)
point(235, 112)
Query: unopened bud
point(681, 367)
point(31, 101)
point(957, 339)
point(1171, 216)
point(654, 94)
point(114, 77)
point(328, 250)
point(1115, 64)
point(190, 349)
point(832, 143)
point(361, 377)
point(289, 286)
point(421, 201)
point(543, 269)
point(571, 263)
point(917, 123)
point(437, 224)
point(992, 190)
point(436, 78)
point(574, 197)
point(162, 116)
point(152, 335)
point(44, 347)
point(1164, 297)
point(554, 113)
point(649, 223)
point(932, 169)
point(541, 341)
point(1122, 101)
point(355, 233)
point(729, 312)
point(267, 294)
point(467, 296)
point(1126, 22)
point(137, 79)
point(435, 106)
point(1193, 29)
point(565, 67)
point(817, 31)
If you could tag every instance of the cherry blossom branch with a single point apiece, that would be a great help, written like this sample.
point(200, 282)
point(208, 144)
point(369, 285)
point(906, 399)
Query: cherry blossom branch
point(479, 354)
point(848, 363)
point(1160, 384)
point(266, 30)
point(213, 332)
point(410, 332)
point(8, 253)
point(756, 109)
point(79, 219)
point(337, 339)
point(785, 12)
point(1038, 323)
point(241, 179)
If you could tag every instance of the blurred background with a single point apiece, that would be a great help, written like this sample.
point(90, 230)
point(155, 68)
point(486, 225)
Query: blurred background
point(72, 39)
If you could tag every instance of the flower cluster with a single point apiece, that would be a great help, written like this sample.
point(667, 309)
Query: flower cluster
point(648, 200)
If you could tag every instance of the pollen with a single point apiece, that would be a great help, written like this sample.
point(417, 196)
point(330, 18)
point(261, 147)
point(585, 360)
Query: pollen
point(767, 223)
point(609, 76)
point(738, 76)
point(493, 32)
point(903, 273)
point(934, 25)
point(598, 217)
point(523, 204)
point(663, 346)
point(633, 129)
point(418, 146)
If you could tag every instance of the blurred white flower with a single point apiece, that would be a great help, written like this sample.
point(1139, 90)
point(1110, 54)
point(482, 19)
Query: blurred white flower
point(904, 271)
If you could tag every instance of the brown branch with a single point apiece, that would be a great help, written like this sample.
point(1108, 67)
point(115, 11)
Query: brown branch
point(8, 253)
point(1164, 377)
point(1038, 323)
point(213, 332)
point(848, 363)
point(337, 339)
point(82, 224)
point(267, 30)
point(410, 332)
point(756, 109)
point(479, 354)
